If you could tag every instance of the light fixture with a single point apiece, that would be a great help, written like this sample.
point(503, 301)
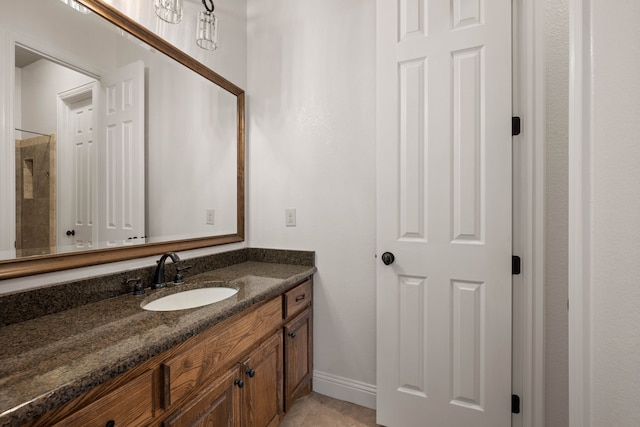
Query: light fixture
point(76, 6)
point(207, 27)
point(169, 10)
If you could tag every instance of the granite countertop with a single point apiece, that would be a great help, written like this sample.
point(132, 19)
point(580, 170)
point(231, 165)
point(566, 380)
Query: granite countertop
point(47, 361)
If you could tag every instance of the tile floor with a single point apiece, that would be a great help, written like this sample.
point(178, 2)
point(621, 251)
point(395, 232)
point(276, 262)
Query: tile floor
point(316, 410)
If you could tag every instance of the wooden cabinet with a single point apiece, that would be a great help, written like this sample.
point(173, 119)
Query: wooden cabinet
point(210, 352)
point(298, 342)
point(129, 405)
point(262, 403)
point(216, 405)
point(297, 299)
point(248, 395)
point(298, 345)
point(242, 372)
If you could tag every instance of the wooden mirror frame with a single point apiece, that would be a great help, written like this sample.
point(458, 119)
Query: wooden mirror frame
point(48, 263)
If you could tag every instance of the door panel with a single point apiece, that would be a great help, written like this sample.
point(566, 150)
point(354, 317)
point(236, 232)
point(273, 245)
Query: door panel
point(77, 168)
point(122, 177)
point(84, 173)
point(263, 391)
point(444, 210)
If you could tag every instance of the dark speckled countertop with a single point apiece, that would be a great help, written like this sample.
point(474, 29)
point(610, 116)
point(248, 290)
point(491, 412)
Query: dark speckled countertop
point(47, 361)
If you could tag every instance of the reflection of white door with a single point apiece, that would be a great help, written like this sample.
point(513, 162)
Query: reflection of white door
point(121, 160)
point(76, 152)
point(444, 211)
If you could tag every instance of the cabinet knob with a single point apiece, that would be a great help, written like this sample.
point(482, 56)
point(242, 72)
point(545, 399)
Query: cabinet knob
point(292, 334)
point(250, 372)
point(110, 423)
point(239, 383)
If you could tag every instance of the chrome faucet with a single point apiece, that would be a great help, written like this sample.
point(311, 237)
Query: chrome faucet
point(158, 277)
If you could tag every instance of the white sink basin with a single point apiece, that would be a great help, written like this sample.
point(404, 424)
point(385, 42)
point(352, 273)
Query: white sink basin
point(190, 299)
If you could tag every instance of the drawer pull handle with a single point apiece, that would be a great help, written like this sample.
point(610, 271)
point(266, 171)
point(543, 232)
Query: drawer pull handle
point(301, 297)
point(292, 334)
point(239, 383)
point(110, 423)
point(250, 372)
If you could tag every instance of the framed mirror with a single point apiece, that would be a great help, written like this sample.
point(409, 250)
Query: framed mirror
point(115, 144)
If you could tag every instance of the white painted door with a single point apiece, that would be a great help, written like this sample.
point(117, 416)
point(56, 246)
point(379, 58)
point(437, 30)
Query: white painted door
point(83, 172)
point(76, 174)
point(444, 211)
point(121, 163)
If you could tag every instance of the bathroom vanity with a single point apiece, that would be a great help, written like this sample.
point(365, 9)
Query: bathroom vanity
point(241, 361)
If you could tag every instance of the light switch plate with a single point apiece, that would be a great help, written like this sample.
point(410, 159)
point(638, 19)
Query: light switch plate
point(290, 217)
point(211, 215)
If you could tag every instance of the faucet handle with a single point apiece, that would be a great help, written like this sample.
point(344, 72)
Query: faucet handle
point(137, 286)
point(179, 278)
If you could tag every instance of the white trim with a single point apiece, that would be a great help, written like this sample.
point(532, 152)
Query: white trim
point(579, 214)
point(57, 54)
point(7, 148)
point(529, 211)
point(346, 389)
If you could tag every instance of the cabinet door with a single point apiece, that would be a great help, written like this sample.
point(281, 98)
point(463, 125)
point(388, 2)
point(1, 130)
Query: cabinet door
point(129, 405)
point(198, 364)
point(262, 402)
point(298, 347)
point(216, 405)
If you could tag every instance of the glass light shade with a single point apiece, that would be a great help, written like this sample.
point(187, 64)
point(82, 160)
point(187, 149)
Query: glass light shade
point(76, 6)
point(169, 10)
point(207, 30)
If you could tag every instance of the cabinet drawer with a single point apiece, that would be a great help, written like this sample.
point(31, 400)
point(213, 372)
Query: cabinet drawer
point(221, 347)
point(129, 405)
point(298, 298)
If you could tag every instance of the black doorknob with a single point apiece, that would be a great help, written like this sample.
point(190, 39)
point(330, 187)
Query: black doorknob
point(250, 372)
point(71, 232)
point(239, 383)
point(388, 258)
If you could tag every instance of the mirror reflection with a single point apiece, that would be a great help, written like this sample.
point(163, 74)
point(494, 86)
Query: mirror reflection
point(115, 144)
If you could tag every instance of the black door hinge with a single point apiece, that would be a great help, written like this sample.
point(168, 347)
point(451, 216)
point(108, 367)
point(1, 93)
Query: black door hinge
point(515, 404)
point(515, 126)
point(516, 265)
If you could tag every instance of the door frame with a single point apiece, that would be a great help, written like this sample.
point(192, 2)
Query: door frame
point(529, 211)
point(7, 145)
point(579, 213)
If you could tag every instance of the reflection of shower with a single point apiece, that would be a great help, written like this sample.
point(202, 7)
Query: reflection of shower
point(35, 194)
point(35, 133)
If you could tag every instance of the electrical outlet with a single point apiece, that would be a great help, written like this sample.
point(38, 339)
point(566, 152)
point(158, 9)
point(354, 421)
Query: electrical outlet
point(290, 217)
point(211, 216)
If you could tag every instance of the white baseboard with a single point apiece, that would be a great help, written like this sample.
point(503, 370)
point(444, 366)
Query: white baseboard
point(346, 389)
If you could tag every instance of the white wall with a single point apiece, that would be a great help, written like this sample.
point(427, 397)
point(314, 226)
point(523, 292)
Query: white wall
point(615, 201)
point(556, 205)
point(311, 116)
point(42, 81)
